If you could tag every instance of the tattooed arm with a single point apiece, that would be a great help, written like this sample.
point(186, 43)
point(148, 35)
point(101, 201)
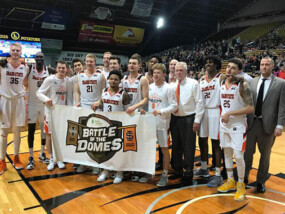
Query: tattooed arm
point(245, 93)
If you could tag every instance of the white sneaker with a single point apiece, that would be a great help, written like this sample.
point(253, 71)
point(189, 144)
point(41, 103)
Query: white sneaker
point(95, 171)
point(51, 165)
point(103, 175)
point(60, 165)
point(118, 178)
point(81, 168)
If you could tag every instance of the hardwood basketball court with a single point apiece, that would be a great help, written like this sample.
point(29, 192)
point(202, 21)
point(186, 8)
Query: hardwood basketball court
point(63, 191)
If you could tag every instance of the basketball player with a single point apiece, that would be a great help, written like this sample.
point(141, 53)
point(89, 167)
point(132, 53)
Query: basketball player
point(32, 83)
point(113, 99)
point(12, 104)
point(106, 68)
point(90, 85)
point(136, 85)
point(236, 102)
point(209, 127)
point(114, 63)
point(162, 102)
point(78, 67)
point(54, 91)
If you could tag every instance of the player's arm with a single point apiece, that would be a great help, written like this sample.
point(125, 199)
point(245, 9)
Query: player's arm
point(98, 104)
point(245, 93)
point(51, 70)
point(42, 91)
point(103, 83)
point(26, 79)
point(144, 88)
point(3, 64)
point(77, 93)
point(172, 103)
point(199, 107)
point(126, 100)
point(222, 78)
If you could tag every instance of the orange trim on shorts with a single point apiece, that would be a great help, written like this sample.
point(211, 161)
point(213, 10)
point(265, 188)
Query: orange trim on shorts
point(244, 142)
point(46, 125)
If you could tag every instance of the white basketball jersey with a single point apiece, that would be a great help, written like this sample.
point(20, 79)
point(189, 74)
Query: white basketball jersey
point(211, 92)
point(35, 82)
point(112, 102)
point(90, 87)
point(133, 89)
point(232, 100)
point(12, 81)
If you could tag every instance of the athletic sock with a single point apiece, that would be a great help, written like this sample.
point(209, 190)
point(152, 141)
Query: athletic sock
point(204, 165)
point(230, 175)
point(218, 171)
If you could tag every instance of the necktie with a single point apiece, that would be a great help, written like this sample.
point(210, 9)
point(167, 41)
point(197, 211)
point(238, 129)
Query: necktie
point(177, 94)
point(258, 107)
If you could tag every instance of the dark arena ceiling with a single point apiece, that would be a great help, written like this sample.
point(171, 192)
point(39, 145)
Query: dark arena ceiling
point(186, 20)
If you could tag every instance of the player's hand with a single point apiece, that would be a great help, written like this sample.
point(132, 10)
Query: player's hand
point(196, 127)
point(95, 105)
point(49, 103)
point(77, 104)
point(225, 118)
point(142, 111)
point(277, 132)
point(131, 109)
point(3, 62)
point(156, 112)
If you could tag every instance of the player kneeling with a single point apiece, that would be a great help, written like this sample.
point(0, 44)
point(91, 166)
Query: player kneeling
point(109, 102)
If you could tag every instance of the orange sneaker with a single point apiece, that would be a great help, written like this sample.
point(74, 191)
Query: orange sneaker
point(17, 163)
point(3, 166)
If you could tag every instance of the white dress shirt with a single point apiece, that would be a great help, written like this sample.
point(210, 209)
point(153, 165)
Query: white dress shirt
point(266, 85)
point(190, 101)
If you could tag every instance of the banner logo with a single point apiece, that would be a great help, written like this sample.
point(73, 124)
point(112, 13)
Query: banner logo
point(15, 35)
point(100, 137)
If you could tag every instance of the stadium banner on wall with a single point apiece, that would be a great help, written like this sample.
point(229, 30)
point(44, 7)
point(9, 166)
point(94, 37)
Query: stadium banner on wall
point(51, 46)
point(54, 19)
point(142, 8)
point(119, 3)
point(102, 13)
point(97, 33)
point(108, 140)
point(128, 35)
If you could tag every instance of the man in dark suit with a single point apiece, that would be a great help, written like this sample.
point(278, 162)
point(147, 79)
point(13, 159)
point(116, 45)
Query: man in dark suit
point(267, 121)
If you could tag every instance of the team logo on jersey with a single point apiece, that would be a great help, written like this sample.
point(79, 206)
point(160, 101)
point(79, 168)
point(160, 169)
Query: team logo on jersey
point(100, 137)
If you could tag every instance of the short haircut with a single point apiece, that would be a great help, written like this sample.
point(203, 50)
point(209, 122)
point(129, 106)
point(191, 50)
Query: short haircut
point(237, 62)
point(184, 65)
point(77, 60)
point(107, 53)
point(116, 72)
point(157, 57)
point(137, 57)
point(113, 57)
point(159, 66)
point(90, 55)
point(216, 60)
point(61, 62)
point(41, 53)
point(16, 44)
point(267, 57)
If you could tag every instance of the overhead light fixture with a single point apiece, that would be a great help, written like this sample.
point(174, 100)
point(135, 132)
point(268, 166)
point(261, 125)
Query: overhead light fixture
point(160, 23)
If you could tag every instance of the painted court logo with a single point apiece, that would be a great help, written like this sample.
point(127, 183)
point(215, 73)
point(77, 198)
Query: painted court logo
point(100, 137)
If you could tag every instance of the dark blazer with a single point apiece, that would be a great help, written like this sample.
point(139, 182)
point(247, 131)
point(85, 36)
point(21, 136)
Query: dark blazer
point(273, 108)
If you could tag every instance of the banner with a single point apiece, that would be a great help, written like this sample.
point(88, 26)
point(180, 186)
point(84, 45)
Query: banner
point(51, 46)
point(98, 33)
point(102, 13)
point(119, 3)
point(128, 35)
point(108, 140)
point(142, 8)
point(54, 19)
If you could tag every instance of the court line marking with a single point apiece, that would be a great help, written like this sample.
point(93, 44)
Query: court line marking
point(180, 210)
point(149, 209)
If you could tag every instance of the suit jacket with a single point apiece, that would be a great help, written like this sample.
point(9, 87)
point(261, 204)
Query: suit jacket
point(273, 107)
